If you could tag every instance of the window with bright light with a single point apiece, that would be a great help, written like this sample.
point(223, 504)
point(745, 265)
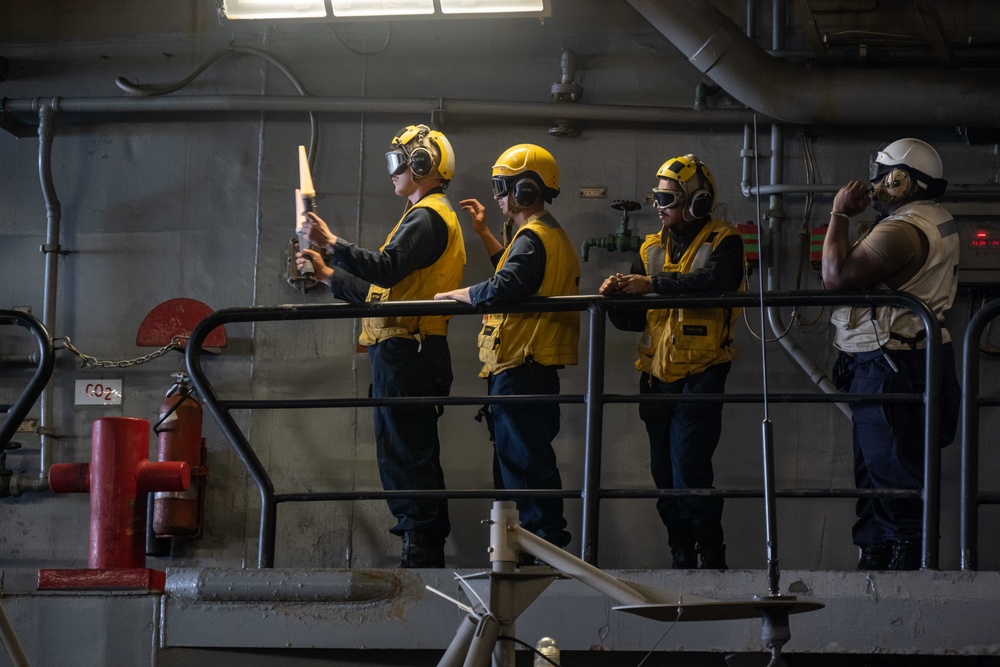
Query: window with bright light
point(347, 8)
point(374, 9)
point(489, 6)
point(274, 9)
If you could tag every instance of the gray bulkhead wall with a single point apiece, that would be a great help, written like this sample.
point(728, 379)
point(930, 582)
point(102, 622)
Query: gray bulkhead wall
point(200, 205)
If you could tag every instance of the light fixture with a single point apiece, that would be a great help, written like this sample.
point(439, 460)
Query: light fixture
point(331, 10)
point(355, 8)
point(490, 6)
point(274, 9)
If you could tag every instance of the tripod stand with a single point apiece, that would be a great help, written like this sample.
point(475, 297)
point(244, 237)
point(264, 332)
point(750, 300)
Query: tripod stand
point(511, 590)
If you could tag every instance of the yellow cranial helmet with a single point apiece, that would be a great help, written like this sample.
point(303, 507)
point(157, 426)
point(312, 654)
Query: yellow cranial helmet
point(426, 152)
point(695, 180)
point(528, 172)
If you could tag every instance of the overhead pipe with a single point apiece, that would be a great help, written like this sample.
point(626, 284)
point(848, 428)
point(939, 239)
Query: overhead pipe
point(408, 106)
point(835, 96)
point(955, 191)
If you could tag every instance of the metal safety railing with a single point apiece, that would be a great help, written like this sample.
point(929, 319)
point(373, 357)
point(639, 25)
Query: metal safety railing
point(16, 412)
point(594, 399)
point(970, 496)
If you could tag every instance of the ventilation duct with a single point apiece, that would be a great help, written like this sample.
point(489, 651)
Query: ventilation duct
point(837, 96)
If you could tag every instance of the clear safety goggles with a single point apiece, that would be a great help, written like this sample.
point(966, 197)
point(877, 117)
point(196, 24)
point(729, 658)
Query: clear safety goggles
point(396, 162)
point(668, 198)
point(877, 171)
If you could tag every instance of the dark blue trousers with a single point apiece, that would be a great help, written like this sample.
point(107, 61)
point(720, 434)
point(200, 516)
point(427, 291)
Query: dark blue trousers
point(682, 440)
point(523, 457)
point(406, 437)
point(889, 438)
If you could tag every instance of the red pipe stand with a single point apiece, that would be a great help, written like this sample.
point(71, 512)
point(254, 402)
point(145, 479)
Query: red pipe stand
point(118, 477)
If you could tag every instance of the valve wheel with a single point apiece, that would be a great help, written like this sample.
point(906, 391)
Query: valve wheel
point(625, 205)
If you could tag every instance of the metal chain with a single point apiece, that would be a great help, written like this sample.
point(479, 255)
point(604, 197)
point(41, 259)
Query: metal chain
point(93, 362)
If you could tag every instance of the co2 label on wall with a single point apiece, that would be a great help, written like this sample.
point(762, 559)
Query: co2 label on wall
point(98, 392)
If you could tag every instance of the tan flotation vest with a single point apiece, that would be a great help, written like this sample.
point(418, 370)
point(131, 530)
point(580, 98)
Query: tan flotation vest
point(864, 328)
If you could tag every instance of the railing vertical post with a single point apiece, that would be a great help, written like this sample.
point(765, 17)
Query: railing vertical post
point(770, 508)
point(932, 446)
point(46, 363)
point(210, 401)
point(969, 479)
point(594, 435)
point(268, 528)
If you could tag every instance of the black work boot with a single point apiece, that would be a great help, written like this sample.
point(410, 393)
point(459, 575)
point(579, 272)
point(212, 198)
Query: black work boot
point(711, 547)
point(875, 556)
point(713, 558)
point(684, 556)
point(906, 555)
point(422, 550)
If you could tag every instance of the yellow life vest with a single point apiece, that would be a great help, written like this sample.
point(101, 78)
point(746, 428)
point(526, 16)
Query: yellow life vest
point(680, 341)
point(510, 339)
point(443, 275)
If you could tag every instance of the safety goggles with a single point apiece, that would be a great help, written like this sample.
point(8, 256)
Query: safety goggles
point(668, 198)
point(396, 162)
point(500, 186)
point(877, 171)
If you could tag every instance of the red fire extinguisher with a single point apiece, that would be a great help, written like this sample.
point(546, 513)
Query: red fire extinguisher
point(179, 514)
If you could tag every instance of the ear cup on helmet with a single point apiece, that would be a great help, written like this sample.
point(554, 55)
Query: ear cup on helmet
point(701, 204)
point(421, 162)
point(526, 192)
point(897, 183)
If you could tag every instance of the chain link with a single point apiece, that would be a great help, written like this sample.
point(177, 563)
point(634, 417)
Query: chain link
point(93, 362)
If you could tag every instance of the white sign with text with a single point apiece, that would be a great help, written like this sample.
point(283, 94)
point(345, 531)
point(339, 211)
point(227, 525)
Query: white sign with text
point(98, 392)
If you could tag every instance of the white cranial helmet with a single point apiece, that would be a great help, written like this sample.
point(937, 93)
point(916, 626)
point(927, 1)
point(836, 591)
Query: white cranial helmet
point(913, 153)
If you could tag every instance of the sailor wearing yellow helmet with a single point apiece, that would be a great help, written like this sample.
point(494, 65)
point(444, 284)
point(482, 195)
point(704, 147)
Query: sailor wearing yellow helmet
point(684, 351)
point(522, 352)
point(423, 254)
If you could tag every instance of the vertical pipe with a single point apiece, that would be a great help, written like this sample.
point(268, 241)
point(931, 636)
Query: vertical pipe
point(752, 20)
point(778, 25)
point(594, 436)
point(119, 445)
point(747, 154)
point(53, 218)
